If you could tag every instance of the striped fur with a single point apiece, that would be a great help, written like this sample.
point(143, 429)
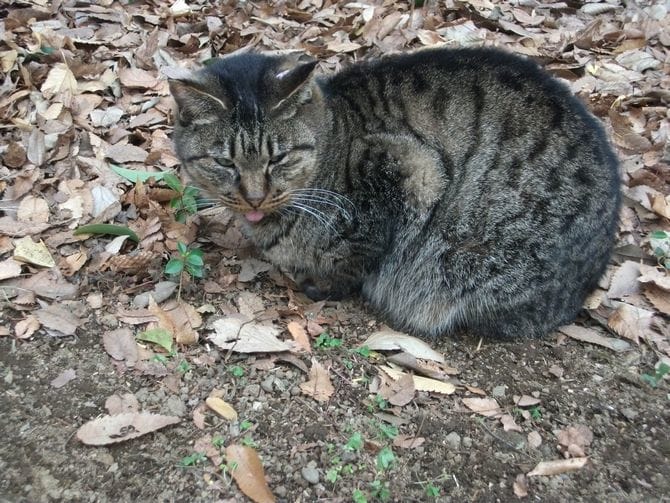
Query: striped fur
point(456, 189)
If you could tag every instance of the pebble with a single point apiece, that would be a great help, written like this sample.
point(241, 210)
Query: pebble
point(467, 442)
point(498, 391)
point(174, 406)
point(629, 413)
point(453, 440)
point(310, 473)
point(252, 390)
point(267, 384)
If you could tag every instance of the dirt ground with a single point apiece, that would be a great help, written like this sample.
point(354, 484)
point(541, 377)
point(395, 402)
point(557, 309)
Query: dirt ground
point(468, 458)
point(82, 95)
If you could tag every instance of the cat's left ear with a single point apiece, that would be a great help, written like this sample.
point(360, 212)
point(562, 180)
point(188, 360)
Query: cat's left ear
point(292, 78)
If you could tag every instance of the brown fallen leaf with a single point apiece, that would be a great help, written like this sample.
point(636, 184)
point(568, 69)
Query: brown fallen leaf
point(534, 439)
point(422, 383)
point(520, 486)
point(526, 401)
point(27, 327)
point(242, 335)
point(625, 280)
point(121, 404)
point(246, 468)
point(199, 416)
point(120, 344)
point(57, 317)
point(631, 322)
point(557, 466)
point(121, 427)
point(487, 407)
point(659, 298)
point(318, 386)
point(575, 439)
point(390, 340)
point(402, 391)
point(408, 441)
point(222, 408)
point(593, 337)
point(509, 424)
point(656, 276)
point(9, 268)
point(299, 336)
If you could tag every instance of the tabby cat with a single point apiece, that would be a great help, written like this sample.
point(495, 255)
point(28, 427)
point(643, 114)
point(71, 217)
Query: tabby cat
point(456, 189)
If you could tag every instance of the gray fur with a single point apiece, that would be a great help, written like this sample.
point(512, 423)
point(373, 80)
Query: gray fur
point(456, 189)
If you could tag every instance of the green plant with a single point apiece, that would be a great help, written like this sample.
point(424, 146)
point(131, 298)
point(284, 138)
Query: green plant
point(112, 229)
point(660, 244)
point(388, 431)
point(248, 441)
point(236, 371)
point(245, 425)
point(325, 341)
point(193, 459)
point(359, 496)
point(185, 202)
point(655, 379)
point(380, 490)
point(183, 367)
point(432, 491)
point(535, 413)
point(355, 443)
point(218, 441)
point(363, 351)
point(189, 261)
point(333, 474)
point(380, 403)
point(385, 458)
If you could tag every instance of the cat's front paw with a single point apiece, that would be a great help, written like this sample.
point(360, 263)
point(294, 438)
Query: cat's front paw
point(318, 290)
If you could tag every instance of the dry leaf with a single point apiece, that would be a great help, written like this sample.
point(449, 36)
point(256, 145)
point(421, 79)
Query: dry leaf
point(408, 442)
point(241, 335)
point(121, 404)
point(593, 337)
point(509, 424)
point(27, 250)
point(520, 486)
point(422, 383)
point(631, 322)
point(59, 80)
point(246, 468)
point(557, 466)
point(402, 391)
point(390, 340)
point(318, 386)
point(222, 408)
point(26, 328)
point(9, 268)
point(57, 317)
point(625, 280)
point(120, 345)
point(299, 336)
point(485, 406)
point(534, 439)
point(526, 401)
point(656, 276)
point(121, 427)
point(33, 210)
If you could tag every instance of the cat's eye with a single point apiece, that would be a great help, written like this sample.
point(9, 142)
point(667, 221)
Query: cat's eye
point(224, 162)
point(276, 159)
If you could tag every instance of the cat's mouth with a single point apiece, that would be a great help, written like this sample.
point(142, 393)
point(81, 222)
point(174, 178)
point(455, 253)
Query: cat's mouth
point(257, 214)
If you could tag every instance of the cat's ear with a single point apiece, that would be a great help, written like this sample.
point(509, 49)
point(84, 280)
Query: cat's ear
point(194, 98)
point(292, 78)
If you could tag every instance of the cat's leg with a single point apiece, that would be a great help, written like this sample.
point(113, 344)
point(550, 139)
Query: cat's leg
point(419, 166)
point(334, 288)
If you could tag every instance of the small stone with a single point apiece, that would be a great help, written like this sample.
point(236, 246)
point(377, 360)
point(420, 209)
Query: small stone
point(175, 407)
point(498, 391)
point(252, 390)
point(310, 473)
point(467, 442)
point(267, 384)
point(453, 440)
point(629, 413)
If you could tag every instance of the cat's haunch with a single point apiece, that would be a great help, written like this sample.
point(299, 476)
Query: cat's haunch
point(454, 188)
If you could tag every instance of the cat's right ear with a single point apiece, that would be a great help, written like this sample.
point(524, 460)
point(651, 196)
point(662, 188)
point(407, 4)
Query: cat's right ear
point(194, 100)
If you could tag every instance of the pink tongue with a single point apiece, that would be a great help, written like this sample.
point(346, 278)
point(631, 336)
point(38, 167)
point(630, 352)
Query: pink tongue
point(254, 216)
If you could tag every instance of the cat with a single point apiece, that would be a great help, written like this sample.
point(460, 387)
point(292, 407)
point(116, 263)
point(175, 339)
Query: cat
point(455, 189)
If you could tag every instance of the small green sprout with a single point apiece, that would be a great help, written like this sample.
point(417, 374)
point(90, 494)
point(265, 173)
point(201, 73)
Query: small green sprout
point(192, 460)
point(385, 458)
point(655, 379)
point(325, 341)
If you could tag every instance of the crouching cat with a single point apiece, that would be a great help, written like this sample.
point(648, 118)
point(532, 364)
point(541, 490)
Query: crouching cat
point(455, 189)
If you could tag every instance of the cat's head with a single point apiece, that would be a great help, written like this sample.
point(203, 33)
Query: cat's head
point(245, 129)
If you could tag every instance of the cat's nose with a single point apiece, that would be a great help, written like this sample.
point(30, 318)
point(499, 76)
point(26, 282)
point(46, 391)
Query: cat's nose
point(255, 198)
